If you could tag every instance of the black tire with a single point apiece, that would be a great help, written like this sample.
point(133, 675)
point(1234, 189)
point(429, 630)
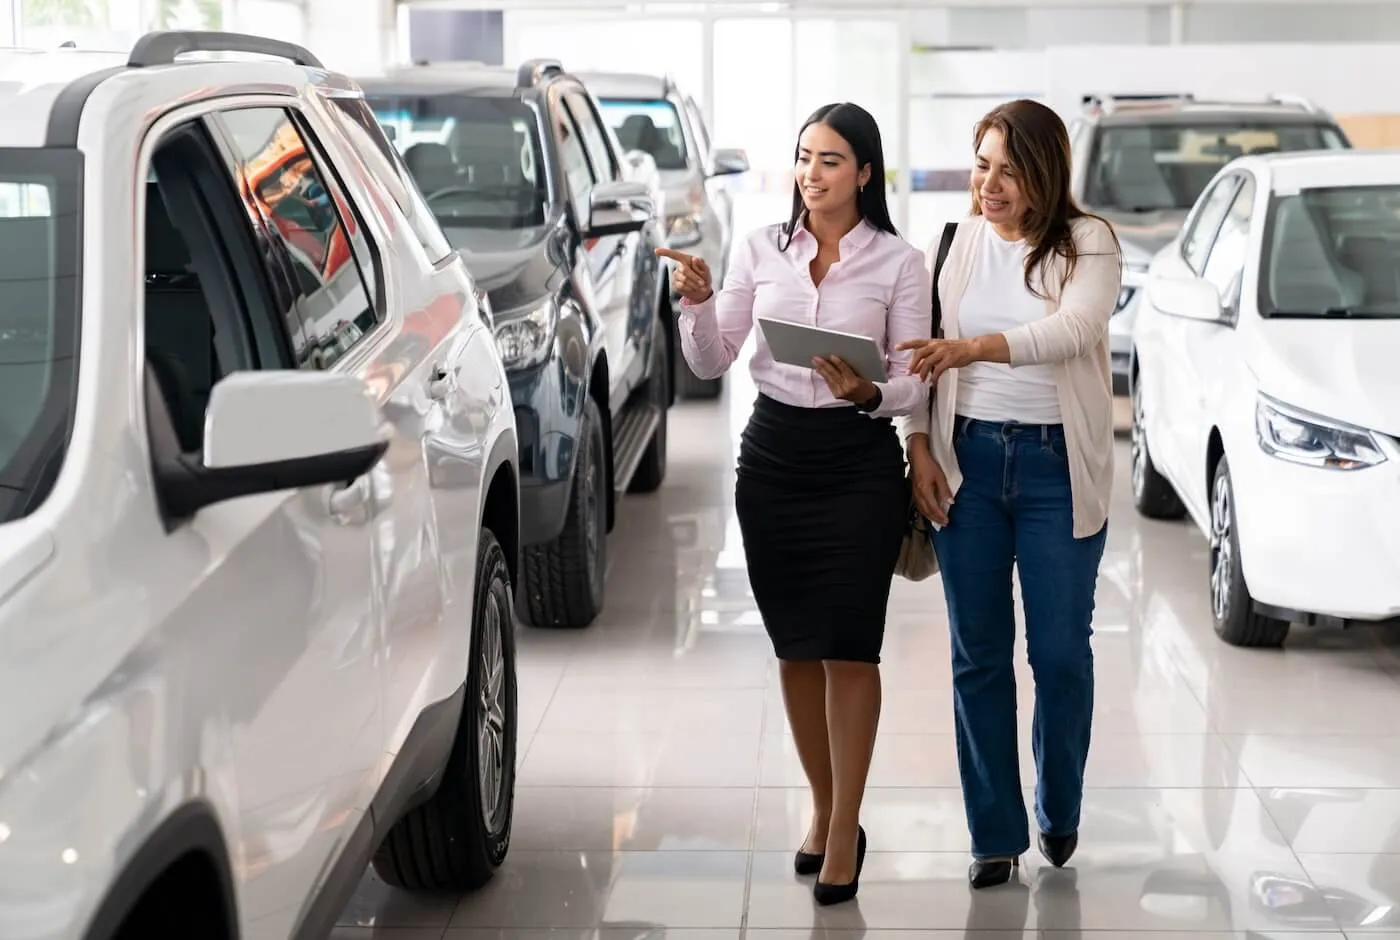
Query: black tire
point(651, 472)
point(1153, 494)
point(564, 578)
point(456, 840)
point(1232, 609)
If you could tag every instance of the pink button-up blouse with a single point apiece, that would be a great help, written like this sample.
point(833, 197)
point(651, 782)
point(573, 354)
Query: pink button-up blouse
point(880, 288)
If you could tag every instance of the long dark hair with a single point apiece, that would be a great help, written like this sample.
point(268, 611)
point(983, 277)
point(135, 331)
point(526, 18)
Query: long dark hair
point(1037, 147)
point(858, 129)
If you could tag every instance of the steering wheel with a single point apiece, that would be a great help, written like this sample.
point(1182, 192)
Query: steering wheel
point(449, 191)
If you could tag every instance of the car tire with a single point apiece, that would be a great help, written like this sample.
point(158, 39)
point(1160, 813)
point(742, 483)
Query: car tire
point(1153, 494)
point(1232, 609)
point(651, 472)
point(564, 578)
point(458, 839)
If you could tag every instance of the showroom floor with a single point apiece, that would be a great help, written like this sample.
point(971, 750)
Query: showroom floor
point(659, 796)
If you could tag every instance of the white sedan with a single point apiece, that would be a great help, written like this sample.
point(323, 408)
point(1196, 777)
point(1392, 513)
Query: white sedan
point(1266, 398)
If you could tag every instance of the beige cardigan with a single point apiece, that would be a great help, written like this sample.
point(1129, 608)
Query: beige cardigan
point(1074, 334)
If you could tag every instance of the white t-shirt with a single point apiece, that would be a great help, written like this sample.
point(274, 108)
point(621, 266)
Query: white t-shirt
point(997, 300)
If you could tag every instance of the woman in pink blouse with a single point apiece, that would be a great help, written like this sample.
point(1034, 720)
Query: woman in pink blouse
point(821, 494)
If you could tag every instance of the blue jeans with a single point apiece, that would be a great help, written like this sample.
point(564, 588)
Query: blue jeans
point(1014, 508)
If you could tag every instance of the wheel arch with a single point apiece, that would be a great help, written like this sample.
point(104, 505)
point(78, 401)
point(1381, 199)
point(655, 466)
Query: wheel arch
point(599, 389)
point(1215, 449)
point(186, 855)
point(500, 502)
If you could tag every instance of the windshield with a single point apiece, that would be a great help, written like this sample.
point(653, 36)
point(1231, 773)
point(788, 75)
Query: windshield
point(1151, 167)
point(1333, 252)
point(477, 159)
point(40, 250)
point(652, 126)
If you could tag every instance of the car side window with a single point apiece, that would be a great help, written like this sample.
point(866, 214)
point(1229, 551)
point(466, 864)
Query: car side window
point(697, 122)
point(1195, 246)
point(1224, 266)
point(313, 231)
point(361, 126)
point(578, 177)
point(595, 139)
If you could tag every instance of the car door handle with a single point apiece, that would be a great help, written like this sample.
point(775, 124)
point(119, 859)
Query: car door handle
point(352, 504)
point(443, 383)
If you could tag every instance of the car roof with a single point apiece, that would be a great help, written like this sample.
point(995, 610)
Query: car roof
point(43, 93)
point(626, 84)
point(1109, 111)
point(1312, 169)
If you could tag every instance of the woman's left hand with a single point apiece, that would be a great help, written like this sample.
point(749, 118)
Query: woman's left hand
point(933, 357)
point(843, 381)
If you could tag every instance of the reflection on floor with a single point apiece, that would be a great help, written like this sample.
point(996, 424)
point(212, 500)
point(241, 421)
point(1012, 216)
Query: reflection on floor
point(1232, 793)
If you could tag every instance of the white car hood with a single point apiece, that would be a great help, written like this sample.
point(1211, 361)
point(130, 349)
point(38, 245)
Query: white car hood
point(1341, 369)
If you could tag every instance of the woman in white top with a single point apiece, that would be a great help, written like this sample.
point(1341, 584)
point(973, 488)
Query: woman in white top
point(1014, 462)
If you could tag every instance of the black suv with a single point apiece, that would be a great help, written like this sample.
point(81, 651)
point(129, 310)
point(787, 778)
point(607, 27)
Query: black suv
point(532, 188)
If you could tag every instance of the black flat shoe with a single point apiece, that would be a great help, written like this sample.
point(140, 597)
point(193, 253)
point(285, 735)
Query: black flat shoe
point(827, 894)
point(1058, 849)
point(988, 873)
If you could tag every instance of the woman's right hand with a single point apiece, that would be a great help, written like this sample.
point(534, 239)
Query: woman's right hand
point(691, 276)
point(932, 494)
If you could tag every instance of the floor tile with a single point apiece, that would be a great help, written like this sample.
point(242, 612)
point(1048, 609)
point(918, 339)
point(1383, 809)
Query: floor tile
point(601, 819)
point(610, 759)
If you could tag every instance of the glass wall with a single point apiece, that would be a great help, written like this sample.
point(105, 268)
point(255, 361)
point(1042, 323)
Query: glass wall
point(109, 24)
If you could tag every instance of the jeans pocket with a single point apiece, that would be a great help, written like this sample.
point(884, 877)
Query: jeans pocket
point(1054, 446)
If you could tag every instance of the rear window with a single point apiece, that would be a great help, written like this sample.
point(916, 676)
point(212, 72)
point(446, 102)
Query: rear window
point(1147, 167)
point(652, 126)
point(40, 254)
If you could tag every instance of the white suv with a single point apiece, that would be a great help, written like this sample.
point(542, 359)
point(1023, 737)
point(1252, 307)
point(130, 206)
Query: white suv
point(258, 521)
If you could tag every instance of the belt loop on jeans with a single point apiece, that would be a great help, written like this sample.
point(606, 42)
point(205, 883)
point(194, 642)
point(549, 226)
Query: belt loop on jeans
point(1045, 435)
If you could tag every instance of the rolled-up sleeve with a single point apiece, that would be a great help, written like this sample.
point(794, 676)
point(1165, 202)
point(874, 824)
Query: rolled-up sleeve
point(713, 332)
point(910, 316)
point(1085, 305)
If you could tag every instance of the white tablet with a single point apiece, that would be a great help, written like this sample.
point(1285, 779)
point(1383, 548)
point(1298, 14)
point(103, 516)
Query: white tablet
point(797, 344)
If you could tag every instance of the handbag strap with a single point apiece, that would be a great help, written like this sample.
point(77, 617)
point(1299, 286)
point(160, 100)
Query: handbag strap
point(936, 317)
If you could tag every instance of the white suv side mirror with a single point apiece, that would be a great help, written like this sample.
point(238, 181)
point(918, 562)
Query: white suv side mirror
point(617, 208)
point(270, 431)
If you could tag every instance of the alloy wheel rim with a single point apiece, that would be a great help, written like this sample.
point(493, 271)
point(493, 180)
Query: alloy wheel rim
point(1139, 445)
point(1222, 549)
point(590, 509)
point(491, 713)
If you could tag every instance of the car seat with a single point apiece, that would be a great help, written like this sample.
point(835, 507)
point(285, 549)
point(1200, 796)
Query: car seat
point(1135, 180)
point(1304, 274)
point(433, 167)
point(639, 132)
point(490, 154)
point(1376, 259)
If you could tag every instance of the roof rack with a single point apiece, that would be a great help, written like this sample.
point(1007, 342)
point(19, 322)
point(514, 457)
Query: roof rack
point(1107, 103)
point(162, 47)
point(1288, 99)
point(532, 70)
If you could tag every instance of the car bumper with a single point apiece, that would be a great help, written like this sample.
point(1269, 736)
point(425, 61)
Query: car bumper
point(1324, 544)
point(548, 412)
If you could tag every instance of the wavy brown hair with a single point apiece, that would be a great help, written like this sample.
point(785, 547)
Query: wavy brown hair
point(1037, 147)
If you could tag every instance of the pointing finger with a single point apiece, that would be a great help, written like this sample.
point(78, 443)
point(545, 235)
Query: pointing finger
point(680, 257)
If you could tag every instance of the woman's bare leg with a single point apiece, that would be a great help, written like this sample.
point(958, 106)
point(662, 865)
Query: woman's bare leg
point(804, 696)
point(852, 716)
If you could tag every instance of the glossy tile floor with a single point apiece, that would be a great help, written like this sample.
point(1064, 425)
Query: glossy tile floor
point(1231, 793)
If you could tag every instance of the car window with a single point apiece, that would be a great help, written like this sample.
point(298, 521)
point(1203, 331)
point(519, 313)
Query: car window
point(573, 159)
point(595, 140)
point(360, 124)
point(1195, 245)
point(1224, 265)
point(40, 250)
point(1147, 166)
point(652, 126)
point(314, 225)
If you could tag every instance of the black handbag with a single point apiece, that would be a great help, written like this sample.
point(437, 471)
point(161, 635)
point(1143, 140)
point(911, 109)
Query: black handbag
point(917, 559)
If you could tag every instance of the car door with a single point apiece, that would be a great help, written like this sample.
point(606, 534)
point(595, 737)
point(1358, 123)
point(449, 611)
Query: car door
point(613, 258)
point(1210, 351)
point(1171, 402)
point(287, 577)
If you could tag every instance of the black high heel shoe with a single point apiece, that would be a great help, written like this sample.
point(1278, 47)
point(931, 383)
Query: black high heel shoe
point(827, 894)
point(1058, 849)
point(808, 863)
point(990, 872)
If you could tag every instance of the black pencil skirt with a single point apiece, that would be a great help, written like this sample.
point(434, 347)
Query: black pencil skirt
point(822, 503)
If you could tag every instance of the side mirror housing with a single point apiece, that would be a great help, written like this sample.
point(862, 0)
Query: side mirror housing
point(729, 161)
point(1191, 298)
point(277, 430)
point(619, 208)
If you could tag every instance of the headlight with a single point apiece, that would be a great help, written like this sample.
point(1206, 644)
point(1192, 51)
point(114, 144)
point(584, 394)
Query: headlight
point(525, 339)
point(682, 231)
point(1313, 441)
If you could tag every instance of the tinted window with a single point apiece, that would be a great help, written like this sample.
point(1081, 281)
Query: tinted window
point(1333, 250)
point(594, 138)
point(333, 306)
point(360, 125)
point(1206, 222)
point(1142, 167)
point(476, 159)
point(652, 126)
point(1225, 266)
point(40, 250)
